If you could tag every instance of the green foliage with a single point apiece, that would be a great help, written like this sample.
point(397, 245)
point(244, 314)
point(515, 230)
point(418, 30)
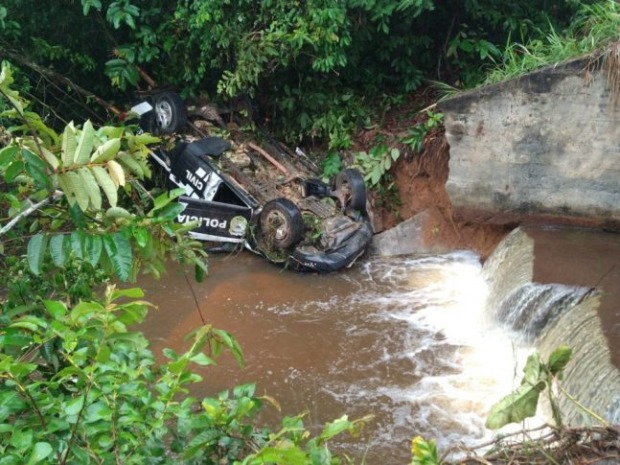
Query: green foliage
point(332, 165)
point(314, 66)
point(79, 387)
point(523, 402)
point(74, 194)
point(423, 452)
point(593, 27)
point(415, 138)
point(376, 164)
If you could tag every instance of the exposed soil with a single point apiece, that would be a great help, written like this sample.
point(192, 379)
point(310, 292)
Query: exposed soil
point(419, 185)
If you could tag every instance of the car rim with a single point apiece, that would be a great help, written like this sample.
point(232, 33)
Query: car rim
point(351, 190)
point(164, 114)
point(276, 226)
point(345, 191)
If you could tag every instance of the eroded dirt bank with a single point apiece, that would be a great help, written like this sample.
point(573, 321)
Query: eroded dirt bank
point(419, 186)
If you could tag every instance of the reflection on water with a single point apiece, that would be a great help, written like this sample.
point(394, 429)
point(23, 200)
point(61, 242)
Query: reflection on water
point(401, 338)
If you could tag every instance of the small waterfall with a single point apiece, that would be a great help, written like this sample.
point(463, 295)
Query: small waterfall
point(545, 316)
point(533, 307)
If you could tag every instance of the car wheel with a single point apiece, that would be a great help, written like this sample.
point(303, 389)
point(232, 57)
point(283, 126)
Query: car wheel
point(169, 114)
point(351, 189)
point(281, 225)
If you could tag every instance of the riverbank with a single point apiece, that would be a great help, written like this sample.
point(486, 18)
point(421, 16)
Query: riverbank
point(420, 188)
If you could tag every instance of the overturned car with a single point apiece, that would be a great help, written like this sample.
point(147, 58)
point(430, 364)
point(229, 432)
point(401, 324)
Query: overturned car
point(270, 201)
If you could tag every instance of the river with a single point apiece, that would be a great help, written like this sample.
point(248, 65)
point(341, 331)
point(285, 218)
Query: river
point(406, 339)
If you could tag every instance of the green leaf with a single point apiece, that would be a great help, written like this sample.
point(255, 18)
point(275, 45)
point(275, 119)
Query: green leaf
point(85, 310)
point(424, 452)
point(229, 341)
point(91, 186)
point(77, 244)
point(40, 451)
point(336, 427)
point(202, 359)
point(88, 4)
point(57, 250)
point(559, 358)
point(106, 151)
point(21, 370)
point(118, 250)
point(533, 370)
point(7, 154)
point(132, 164)
point(171, 211)
point(74, 406)
point(244, 390)
point(286, 454)
point(21, 439)
point(145, 139)
point(141, 235)
point(66, 186)
point(31, 159)
point(35, 252)
point(80, 190)
point(40, 177)
point(98, 411)
point(37, 169)
point(178, 366)
point(15, 169)
point(200, 270)
point(50, 158)
point(10, 403)
point(69, 144)
point(166, 198)
point(515, 407)
point(93, 246)
point(85, 144)
point(11, 459)
point(118, 212)
point(55, 308)
point(107, 185)
point(132, 293)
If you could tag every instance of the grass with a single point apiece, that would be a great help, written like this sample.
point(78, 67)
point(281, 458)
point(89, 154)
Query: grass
point(595, 27)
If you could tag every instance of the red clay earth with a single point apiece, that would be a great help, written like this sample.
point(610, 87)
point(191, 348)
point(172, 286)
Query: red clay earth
point(419, 185)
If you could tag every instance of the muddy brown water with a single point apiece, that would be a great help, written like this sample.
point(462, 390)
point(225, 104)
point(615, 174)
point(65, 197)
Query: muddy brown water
point(352, 343)
point(404, 339)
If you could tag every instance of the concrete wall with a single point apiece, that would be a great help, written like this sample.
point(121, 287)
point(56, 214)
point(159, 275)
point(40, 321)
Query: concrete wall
point(545, 143)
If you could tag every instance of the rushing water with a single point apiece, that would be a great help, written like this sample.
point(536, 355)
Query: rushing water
point(401, 338)
point(410, 340)
point(548, 315)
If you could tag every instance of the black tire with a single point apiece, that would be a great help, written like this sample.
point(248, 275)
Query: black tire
point(351, 188)
point(169, 114)
point(281, 225)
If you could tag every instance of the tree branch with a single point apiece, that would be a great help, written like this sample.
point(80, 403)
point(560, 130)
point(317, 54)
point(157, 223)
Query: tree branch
point(59, 78)
point(33, 207)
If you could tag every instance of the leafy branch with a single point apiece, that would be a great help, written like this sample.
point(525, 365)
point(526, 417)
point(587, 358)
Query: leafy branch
point(538, 377)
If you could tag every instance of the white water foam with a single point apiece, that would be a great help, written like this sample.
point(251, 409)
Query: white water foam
point(472, 362)
point(411, 344)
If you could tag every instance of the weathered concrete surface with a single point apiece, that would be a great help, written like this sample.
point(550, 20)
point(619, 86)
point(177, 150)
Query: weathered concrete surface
point(547, 143)
point(406, 238)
